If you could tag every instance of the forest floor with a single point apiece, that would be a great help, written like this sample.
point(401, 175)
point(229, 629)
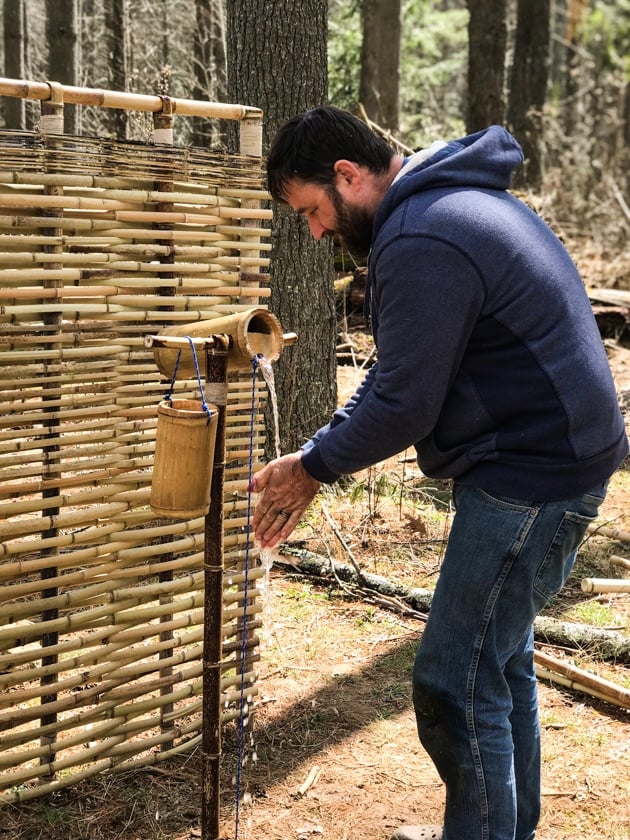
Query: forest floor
point(334, 752)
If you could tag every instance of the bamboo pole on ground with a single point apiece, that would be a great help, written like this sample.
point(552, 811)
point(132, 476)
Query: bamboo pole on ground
point(621, 562)
point(554, 669)
point(605, 585)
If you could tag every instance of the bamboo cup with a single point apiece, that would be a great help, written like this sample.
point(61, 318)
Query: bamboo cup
point(184, 453)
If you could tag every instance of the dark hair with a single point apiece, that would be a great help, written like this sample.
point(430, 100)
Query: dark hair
point(308, 146)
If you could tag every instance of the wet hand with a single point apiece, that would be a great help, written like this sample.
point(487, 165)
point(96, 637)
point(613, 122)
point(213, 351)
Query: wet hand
point(287, 490)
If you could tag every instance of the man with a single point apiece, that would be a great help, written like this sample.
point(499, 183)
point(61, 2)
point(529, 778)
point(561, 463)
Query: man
point(490, 364)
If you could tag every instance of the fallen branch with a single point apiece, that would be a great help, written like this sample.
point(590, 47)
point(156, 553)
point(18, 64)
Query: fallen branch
point(606, 644)
point(342, 542)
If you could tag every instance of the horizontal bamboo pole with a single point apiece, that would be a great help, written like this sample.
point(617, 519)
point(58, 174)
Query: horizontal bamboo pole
point(134, 605)
point(103, 728)
point(104, 640)
point(111, 232)
point(179, 729)
point(34, 483)
point(221, 234)
point(139, 188)
point(122, 564)
point(605, 585)
point(216, 217)
point(64, 179)
point(109, 693)
point(116, 680)
point(71, 519)
point(129, 101)
point(63, 202)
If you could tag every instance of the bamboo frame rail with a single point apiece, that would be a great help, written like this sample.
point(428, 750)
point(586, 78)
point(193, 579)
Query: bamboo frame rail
point(101, 603)
point(72, 95)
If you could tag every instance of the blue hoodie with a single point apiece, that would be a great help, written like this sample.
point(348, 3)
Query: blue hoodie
point(490, 362)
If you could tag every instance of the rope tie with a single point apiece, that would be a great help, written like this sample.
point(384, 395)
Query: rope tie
point(202, 396)
point(241, 726)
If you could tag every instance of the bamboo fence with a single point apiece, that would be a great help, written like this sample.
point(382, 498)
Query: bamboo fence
point(101, 606)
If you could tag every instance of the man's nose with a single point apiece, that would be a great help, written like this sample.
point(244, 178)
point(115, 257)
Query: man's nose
point(318, 231)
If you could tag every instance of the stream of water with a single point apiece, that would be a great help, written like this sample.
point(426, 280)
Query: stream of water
point(268, 376)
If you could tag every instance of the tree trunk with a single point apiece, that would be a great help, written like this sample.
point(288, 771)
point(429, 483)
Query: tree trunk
point(63, 53)
point(573, 103)
point(117, 30)
point(14, 60)
point(210, 66)
point(528, 86)
point(380, 61)
point(487, 36)
point(278, 63)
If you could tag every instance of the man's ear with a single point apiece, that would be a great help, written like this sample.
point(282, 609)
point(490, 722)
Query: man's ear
point(348, 172)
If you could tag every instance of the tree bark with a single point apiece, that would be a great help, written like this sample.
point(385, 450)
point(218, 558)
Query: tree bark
point(278, 63)
point(15, 60)
point(380, 62)
point(528, 86)
point(117, 30)
point(487, 36)
point(210, 68)
point(64, 53)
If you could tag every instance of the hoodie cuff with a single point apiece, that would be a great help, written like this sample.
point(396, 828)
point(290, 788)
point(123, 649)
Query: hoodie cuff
point(316, 468)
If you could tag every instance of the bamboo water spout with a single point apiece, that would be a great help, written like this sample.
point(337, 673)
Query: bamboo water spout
point(253, 332)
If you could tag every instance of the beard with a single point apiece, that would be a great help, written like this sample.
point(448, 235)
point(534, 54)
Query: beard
point(353, 226)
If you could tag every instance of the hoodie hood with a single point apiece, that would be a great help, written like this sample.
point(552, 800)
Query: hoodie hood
point(485, 160)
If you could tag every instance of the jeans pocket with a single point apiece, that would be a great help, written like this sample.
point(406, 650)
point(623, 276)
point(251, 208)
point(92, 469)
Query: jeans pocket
point(560, 556)
point(507, 502)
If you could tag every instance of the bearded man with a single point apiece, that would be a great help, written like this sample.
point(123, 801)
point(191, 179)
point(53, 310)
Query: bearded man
point(491, 365)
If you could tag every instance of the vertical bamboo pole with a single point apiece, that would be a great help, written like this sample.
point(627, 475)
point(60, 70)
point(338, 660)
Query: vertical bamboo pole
point(163, 134)
point(216, 392)
point(51, 124)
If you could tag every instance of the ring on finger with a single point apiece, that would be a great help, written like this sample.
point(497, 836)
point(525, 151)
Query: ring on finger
point(284, 514)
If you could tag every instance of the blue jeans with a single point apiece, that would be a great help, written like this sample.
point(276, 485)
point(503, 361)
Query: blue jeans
point(474, 685)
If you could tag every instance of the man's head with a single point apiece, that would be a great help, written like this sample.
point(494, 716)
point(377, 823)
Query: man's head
point(329, 166)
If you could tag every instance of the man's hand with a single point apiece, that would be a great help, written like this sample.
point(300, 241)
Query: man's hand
point(287, 490)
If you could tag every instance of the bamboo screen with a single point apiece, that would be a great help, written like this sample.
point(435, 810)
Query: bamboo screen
point(101, 603)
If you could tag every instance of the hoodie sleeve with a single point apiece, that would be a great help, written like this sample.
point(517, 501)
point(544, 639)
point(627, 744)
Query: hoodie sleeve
point(428, 296)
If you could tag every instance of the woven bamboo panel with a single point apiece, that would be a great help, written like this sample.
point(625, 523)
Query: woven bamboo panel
point(101, 604)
